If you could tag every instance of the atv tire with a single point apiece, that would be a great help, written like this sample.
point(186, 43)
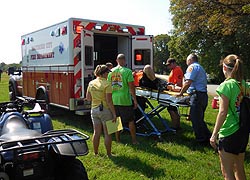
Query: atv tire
point(70, 169)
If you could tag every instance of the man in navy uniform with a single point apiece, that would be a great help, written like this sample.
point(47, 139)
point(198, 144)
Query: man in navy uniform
point(196, 85)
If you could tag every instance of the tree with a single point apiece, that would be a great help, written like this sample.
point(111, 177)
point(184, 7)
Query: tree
point(212, 29)
point(161, 52)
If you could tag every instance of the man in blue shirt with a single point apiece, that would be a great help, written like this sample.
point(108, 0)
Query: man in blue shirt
point(196, 85)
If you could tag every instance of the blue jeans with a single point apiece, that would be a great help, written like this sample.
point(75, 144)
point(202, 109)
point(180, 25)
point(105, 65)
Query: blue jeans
point(198, 102)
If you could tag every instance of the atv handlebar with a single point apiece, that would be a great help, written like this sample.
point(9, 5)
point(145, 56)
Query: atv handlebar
point(18, 104)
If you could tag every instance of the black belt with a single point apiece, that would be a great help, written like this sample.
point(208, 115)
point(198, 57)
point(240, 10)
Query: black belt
point(200, 92)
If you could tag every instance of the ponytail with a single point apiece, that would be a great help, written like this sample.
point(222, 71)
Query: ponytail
point(237, 70)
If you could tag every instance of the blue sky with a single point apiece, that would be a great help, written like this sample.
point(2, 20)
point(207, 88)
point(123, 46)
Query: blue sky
point(19, 17)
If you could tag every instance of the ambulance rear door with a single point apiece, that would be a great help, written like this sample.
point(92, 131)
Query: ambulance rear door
point(142, 51)
point(87, 49)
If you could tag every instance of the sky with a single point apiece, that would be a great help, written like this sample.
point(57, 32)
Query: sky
point(19, 17)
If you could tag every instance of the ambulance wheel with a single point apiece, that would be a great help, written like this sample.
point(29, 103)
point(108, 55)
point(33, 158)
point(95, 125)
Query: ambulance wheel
point(12, 92)
point(41, 94)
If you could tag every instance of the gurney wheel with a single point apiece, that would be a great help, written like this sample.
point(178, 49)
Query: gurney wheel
point(159, 138)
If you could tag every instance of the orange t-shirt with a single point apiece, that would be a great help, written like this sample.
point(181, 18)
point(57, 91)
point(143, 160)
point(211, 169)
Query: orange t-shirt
point(176, 76)
point(137, 77)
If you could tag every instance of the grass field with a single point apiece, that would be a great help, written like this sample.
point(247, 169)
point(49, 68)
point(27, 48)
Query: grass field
point(178, 157)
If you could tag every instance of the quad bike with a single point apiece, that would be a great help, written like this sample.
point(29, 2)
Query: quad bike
point(31, 149)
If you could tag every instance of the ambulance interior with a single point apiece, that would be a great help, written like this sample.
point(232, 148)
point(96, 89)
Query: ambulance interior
point(106, 48)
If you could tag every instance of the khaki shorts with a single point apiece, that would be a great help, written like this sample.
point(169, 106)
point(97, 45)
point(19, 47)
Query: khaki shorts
point(98, 116)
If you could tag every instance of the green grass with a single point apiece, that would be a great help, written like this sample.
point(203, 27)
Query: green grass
point(177, 157)
point(4, 90)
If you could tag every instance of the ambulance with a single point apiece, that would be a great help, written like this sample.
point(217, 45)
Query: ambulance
point(58, 61)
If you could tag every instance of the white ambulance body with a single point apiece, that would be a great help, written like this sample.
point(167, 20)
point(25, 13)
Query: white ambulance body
point(58, 61)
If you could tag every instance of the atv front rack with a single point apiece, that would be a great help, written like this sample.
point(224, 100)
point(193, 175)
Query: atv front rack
point(70, 137)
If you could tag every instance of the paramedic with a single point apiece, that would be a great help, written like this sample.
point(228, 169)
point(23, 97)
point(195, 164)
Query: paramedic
point(102, 109)
point(176, 73)
point(196, 85)
point(175, 77)
point(122, 82)
point(232, 143)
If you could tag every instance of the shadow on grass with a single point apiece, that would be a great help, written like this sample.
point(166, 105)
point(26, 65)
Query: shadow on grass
point(150, 146)
point(69, 118)
point(184, 137)
point(135, 164)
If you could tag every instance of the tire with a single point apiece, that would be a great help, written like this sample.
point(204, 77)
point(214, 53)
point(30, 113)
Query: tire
point(12, 92)
point(70, 169)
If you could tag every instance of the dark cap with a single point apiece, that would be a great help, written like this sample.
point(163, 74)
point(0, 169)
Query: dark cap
point(169, 61)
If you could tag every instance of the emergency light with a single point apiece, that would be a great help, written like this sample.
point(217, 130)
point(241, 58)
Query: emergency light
point(138, 57)
point(64, 30)
point(98, 27)
point(125, 30)
point(79, 29)
point(23, 41)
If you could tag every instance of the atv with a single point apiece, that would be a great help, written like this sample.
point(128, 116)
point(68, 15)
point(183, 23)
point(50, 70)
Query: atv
point(31, 149)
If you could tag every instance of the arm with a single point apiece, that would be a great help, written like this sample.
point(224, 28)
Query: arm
point(88, 96)
point(179, 83)
point(111, 105)
point(132, 92)
point(223, 109)
point(185, 86)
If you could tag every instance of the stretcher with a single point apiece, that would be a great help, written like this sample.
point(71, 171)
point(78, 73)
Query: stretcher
point(164, 100)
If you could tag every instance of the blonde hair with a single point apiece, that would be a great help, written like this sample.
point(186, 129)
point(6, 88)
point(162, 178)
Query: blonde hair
point(100, 70)
point(234, 64)
point(149, 72)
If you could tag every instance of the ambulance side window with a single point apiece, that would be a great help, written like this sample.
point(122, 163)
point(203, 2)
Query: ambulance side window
point(142, 56)
point(89, 55)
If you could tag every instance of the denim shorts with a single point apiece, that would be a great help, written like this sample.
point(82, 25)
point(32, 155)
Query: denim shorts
point(235, 143)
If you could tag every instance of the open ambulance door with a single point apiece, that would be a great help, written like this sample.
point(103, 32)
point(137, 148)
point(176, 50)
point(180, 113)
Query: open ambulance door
point(87, 49)
point(142, 51)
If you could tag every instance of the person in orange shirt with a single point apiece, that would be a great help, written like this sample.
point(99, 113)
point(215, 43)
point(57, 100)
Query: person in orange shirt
point(176, 74)
point(175, 77)
point(137, 76)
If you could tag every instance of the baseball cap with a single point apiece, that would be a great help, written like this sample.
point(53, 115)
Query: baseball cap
point(169, 61)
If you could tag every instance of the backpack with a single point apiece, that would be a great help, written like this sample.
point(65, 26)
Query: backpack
point(244, 116)
point(244, 112)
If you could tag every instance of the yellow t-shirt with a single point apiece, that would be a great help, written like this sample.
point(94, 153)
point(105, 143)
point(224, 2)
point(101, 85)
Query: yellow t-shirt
point(98, 88)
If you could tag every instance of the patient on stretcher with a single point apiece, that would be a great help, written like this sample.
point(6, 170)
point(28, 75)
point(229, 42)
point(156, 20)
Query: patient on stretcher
point(147, 79)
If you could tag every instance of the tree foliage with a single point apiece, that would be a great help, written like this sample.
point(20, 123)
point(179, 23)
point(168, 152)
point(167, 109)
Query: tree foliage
point(161, 52)
point(4, 67)
point(212, 29)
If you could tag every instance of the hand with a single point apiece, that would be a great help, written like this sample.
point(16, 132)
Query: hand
point(213, 142)
point(114, 119)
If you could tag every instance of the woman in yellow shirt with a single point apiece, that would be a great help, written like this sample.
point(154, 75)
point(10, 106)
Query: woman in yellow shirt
point(102, 109)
